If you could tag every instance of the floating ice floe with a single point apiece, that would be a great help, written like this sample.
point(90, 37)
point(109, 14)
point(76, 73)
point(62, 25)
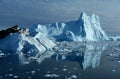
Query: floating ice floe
point(52, 75)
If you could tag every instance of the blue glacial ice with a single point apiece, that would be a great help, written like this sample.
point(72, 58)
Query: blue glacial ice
point(86, 28)
point(21, 43)
point(44, 37)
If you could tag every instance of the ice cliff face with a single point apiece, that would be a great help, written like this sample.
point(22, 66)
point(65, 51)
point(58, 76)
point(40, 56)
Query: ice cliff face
point(86, 28)
point(27, 44)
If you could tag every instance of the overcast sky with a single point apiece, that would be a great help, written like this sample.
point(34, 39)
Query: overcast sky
point(28, 12)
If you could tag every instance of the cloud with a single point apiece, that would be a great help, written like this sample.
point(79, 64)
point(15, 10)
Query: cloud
point(47, 11)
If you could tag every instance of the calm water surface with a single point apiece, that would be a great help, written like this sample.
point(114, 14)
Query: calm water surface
point(69, 61)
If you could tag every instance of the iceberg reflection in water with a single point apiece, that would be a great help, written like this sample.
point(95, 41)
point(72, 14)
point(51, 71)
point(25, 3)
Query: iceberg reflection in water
point(86, 54)
point(86, 60)
point(93, 54)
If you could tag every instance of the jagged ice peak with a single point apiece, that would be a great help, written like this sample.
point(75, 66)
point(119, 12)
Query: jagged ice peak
point(86, 28)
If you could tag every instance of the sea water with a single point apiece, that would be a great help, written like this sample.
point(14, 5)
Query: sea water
point(69, 60)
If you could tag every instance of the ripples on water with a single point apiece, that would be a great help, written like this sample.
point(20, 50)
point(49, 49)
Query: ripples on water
point(69, 60)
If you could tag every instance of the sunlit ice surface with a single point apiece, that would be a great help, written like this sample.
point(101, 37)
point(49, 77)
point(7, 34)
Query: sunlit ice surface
point(68, 60)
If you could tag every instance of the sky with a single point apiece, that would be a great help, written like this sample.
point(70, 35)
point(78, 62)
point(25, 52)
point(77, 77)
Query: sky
point(29, 12)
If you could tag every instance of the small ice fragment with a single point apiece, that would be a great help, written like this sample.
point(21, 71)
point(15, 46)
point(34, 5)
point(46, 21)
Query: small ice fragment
point(118, 61)
point(63, 57)
point(47, 75)
point(113, 70)
point(2, 54)
point(26, 63)
point(74, 76)
point(64, 66)
point(55, 75)
point(29, 52)
point(52, 75)
point(109, 54)
point(10, 75)
point(33, 72)
point(78, 54)
point(64, 69)
point(16, 76)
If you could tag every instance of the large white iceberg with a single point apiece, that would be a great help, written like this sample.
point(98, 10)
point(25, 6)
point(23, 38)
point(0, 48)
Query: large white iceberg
point(27, 44)
point(86, 28)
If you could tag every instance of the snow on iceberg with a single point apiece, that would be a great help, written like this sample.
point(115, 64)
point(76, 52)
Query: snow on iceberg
point(86, 28)
point(27, 44)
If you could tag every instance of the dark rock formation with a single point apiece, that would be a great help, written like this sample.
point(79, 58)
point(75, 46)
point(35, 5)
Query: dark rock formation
point(4, 33)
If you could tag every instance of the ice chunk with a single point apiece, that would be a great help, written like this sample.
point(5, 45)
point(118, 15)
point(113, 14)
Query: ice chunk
point(33, 72)
point(52, 75)
point(16, 76)
point(21, 43)
point(73, 77)
point(114, 38)
point(2, 54)
point(64, 69)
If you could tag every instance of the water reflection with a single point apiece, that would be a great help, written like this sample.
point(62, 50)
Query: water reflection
point(39, 58)
point(92, 55)
point(86, 54)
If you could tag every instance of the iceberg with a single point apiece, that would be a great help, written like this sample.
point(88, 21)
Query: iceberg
point(42, 38)
point(26, 44)
point(86, 28)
